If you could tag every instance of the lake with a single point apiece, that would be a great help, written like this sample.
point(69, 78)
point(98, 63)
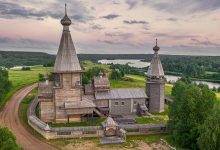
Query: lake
point(137, 63)
point(173, 79)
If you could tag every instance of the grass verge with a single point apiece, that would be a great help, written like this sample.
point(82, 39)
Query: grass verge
point(22, 112)
point(75, 124)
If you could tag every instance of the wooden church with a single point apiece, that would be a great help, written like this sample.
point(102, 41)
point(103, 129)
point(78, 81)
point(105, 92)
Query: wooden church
point(66, 100)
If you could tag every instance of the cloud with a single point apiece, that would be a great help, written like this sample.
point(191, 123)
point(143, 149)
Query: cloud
point(26, 43)
point(206, 42)
point(186, 7)
point(110, 42)
point(131, 3)
point(76, 11)
point(120, 35)
point(135, 22)
point(168, 35)
point(110, 16)
point(10, 10)
point(172, 19)
point(97, 27)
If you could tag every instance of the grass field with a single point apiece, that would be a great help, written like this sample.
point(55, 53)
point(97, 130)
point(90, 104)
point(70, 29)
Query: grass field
point(138, 82)
point(21, 79)
point(88, 65)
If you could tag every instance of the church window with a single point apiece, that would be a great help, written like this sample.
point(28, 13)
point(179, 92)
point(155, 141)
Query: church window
point(77, 83)
point(122, 103)
point(57, 82)
point(116, 103)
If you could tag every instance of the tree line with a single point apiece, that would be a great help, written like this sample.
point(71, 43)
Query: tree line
point(192, 66)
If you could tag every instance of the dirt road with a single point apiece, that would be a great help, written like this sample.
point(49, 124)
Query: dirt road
point(9, 118)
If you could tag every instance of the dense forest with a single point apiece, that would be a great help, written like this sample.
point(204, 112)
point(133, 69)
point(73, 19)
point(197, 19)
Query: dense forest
point(11, 59)
point(203, 67)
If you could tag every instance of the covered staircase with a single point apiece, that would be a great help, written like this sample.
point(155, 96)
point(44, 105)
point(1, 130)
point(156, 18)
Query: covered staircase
point(98, 112)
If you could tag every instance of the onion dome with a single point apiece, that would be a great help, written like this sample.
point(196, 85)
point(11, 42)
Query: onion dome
point(66, 20)
point(156, 48)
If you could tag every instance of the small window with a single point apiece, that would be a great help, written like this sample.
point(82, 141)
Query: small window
point(57, 80)
point(116, 103)
point(77, 83)
point(135, 103)
point(122, 103)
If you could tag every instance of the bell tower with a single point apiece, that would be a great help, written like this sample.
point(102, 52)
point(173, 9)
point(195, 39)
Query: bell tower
point(67, 74)
point(155, 83)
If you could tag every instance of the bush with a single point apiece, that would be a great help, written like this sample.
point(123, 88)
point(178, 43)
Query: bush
point(7, 140)
point(89, 74)
point(41, 77)
point(116, 75)
point(26, 68)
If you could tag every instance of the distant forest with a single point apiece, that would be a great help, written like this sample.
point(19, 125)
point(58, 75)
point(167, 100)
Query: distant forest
point(204, 67)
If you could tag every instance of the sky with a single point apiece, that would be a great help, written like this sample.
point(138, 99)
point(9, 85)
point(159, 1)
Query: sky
point(189, 27)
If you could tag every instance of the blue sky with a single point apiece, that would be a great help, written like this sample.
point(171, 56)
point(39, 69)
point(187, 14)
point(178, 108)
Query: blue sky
point(113, 26)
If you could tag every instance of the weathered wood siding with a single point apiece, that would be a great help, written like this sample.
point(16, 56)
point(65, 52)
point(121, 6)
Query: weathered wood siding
point(101, 103)
point(120, 109)
point(136, 102)
point(125, 106)
point(47, 111)
point(68, 92)
point(155, 92)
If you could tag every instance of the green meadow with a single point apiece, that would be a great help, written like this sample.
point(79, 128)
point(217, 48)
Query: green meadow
point(21, 79)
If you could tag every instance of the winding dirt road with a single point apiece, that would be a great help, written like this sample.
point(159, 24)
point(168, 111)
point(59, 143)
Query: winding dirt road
point(9, 118)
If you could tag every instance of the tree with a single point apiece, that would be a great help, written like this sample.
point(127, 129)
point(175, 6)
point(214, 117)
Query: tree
point(26, 68)
point(89, 74)
point(189, 109)
point(5, 84)
point(116, 75)
point(178, 88)
point(7, 140)
point(218, 89)
point(40, 77)
point(210, 131)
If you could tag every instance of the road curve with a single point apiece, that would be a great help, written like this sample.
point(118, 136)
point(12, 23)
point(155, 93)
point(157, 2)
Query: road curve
point(9, 118)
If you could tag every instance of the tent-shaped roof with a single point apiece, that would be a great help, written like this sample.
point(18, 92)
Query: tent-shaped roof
point(66, 59)
point(155, 69)
point(109, 122)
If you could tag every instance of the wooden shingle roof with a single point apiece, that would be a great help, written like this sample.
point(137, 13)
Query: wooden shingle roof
point(66, 59)
point(155, 69)
point(121, 93)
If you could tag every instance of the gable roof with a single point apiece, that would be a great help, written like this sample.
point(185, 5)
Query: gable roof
point(121, 93)
point(101, 81)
